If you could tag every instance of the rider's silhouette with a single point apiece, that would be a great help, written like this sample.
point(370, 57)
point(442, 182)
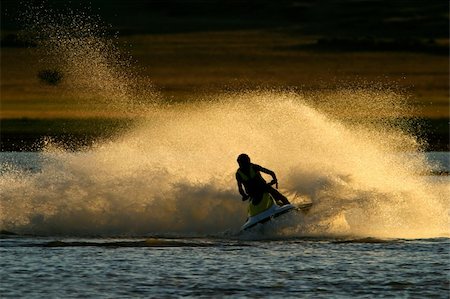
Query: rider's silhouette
point(249, 176)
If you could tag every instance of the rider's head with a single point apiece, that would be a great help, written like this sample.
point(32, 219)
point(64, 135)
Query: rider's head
point(243, 160)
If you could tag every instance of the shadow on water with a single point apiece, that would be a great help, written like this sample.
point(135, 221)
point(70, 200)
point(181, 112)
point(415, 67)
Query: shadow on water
point(144, 243)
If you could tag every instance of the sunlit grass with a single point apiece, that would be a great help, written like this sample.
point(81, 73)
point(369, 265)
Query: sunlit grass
point(184, 67)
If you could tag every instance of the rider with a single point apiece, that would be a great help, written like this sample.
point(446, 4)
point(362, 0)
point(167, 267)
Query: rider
point(249, 175)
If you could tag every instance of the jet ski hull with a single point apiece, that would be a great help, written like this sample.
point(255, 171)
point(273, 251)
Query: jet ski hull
point(272, 212)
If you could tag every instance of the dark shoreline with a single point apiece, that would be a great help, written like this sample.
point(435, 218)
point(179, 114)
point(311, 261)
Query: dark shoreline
point(78, 134)
point(30, 135)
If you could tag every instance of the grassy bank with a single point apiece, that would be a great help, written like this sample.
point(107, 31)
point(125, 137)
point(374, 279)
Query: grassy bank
point(186, 66)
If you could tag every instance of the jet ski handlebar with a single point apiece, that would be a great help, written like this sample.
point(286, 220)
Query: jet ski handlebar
point(273, 182)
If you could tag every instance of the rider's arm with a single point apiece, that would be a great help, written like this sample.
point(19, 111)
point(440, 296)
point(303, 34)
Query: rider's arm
point(241, 190)
point(269, 172)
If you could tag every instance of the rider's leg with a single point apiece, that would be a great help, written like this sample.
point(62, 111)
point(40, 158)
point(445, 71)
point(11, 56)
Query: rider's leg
point(279, 198)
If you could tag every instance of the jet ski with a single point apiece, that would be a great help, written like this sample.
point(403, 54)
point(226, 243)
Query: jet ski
point(266, 210)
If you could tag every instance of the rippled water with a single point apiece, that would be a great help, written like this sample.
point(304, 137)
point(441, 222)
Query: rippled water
point(311, 268)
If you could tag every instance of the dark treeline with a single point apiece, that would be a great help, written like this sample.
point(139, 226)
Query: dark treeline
point(330, 18)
